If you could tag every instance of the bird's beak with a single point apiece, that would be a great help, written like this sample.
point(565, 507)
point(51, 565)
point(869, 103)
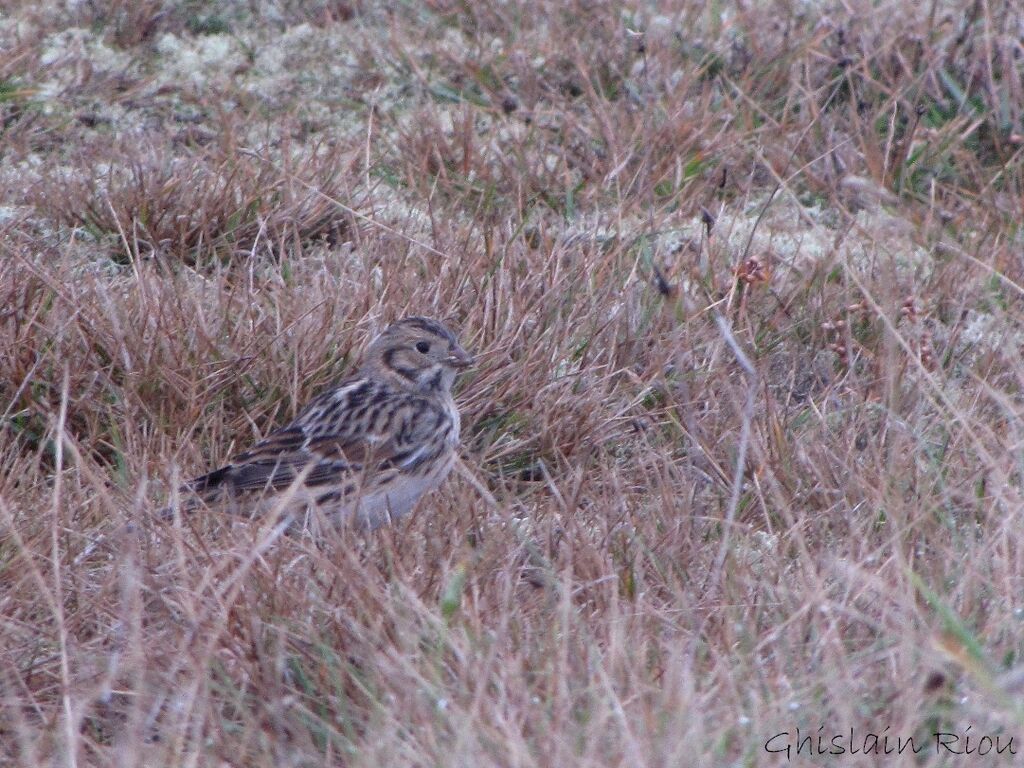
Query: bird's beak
point(460, 358)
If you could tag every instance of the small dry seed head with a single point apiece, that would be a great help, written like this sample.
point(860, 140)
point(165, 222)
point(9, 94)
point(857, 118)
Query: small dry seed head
point(754, 270)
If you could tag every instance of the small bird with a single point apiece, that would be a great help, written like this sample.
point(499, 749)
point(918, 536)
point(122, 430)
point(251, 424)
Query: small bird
point(366, 449)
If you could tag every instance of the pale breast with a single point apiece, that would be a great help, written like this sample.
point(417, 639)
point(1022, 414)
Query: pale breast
point(400, 495)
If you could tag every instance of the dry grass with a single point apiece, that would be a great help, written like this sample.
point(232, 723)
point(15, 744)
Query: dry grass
point(742, 455)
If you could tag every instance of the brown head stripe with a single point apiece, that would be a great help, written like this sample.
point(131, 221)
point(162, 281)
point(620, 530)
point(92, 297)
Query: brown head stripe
point(428, 326)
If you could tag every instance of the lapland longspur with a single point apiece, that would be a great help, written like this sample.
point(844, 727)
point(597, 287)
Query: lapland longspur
point(364, 450)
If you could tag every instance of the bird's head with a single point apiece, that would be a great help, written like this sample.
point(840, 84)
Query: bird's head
point(418, 353)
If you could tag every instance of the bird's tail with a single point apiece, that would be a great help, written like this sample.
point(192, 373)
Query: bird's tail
point(204, 491)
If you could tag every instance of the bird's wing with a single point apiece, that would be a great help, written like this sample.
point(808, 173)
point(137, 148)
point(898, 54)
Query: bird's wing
point(391, 436)
point(275, 462)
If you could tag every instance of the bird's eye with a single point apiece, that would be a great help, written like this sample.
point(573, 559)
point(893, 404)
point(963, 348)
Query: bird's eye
point(422, 347)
